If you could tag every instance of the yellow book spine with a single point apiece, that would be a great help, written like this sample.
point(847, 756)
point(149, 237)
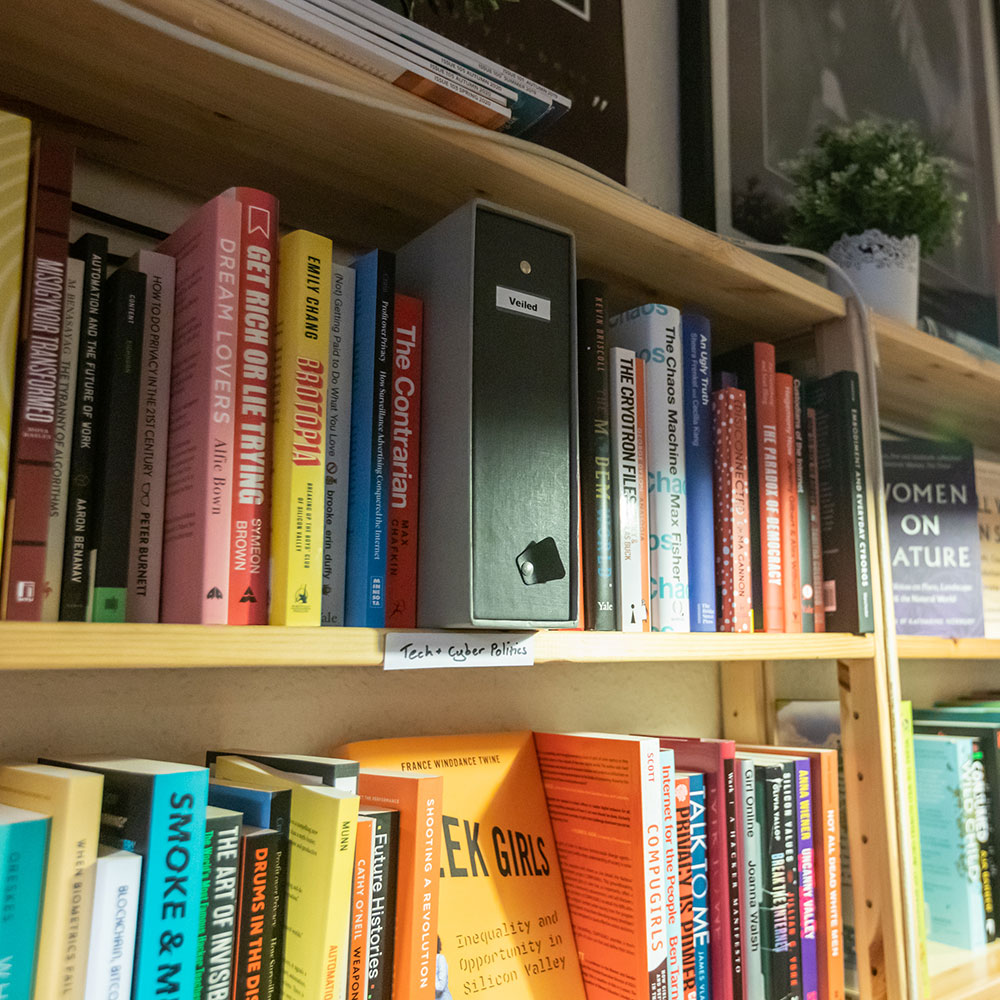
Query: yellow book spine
point(15, 156)
point(906, 719)
point(302, 350)
point(73, 800)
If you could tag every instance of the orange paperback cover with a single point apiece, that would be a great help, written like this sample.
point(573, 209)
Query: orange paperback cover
point(826, 838)
point(503, 926)
point(605, 797)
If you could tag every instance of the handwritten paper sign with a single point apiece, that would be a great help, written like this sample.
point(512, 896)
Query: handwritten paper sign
point(426, 650)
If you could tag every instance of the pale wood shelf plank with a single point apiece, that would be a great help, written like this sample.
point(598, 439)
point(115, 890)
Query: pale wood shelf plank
point(75, 646)
point(915, 647)
point(959, 975)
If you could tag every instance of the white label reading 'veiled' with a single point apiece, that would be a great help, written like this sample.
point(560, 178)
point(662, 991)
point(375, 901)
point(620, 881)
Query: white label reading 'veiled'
point(423, 650)
point(524, 304)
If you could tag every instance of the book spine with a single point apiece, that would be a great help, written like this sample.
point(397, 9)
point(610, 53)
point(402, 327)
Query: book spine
point(788, 503)
point(23, 849)
point(404, 464)
point(769, 490)
point(642, 472)
point(219, 899)
point(382, 917)
point(30, 475)
point(652, 808)
point(366, 521)
point(63, 435)
point(250, 528)
point(700, 888)
point(682, 810)
point(254, 970)
point(750, 876)
point(807, 880)
point(790, 825)
point(805, 557)
point(117, 877)
point(126, 310)
point(93, 251)
point(301, 357)
point(734, 602)
point(734, 856)
point(145, 564)
point(15, 157)
point(338, 442)
point(357, 967)
point(197, 515)
point(625, 473)
point(984, 836)
point(672, 901)
point(599, 555)
point(698, 461)
point(815, 530)
point(774, 897)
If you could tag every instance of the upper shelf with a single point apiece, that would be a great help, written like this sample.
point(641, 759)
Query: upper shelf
point(85, 645)
point(133, 97)
point(918, 647)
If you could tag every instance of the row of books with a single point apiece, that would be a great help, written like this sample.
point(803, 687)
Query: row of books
point(526, 865)
point(754, 515)
point(370, 35)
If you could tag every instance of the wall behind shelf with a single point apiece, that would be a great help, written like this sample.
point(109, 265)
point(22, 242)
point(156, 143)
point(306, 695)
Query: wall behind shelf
point(175, 714)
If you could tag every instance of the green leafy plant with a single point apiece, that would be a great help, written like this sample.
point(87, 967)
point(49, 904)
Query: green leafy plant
point(474, 10)
point(873, 174)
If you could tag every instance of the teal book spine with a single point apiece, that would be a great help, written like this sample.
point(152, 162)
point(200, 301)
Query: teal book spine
point(949, 852)
point(699, 885)
point(24, 841)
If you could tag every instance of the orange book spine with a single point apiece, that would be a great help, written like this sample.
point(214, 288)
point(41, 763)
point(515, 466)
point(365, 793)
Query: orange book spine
point(357, 961)
point(418, 801)
point(788, 501)
point(642, 478)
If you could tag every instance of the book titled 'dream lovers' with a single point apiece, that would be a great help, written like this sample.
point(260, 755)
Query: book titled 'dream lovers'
point(504, 924)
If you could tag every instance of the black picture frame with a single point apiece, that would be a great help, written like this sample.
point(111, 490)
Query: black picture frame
point(758, 76)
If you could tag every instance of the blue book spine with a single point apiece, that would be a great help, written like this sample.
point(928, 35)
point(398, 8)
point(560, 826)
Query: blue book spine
point(949, 856)
point(807, 881)
point(24, 847)
point(366, 504)
point(699, 886)
point(166, 951)
point(697, 334)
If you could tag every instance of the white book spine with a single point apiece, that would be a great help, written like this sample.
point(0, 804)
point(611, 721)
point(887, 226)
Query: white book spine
point(112, 933)
point(624, 455)
point(750, 876)
point(338, 444)
point(671, 879)
point(653, 332)
point(150, 476)
point(69, 352)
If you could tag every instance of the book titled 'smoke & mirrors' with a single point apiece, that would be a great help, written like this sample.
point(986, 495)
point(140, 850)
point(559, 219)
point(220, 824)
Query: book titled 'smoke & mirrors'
point(931, 504)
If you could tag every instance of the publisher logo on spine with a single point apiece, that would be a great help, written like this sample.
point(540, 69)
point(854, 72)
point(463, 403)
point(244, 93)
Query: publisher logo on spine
point(25, 591)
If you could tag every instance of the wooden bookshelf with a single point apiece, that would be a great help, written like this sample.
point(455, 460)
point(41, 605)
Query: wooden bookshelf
point(85, 645)
point(957, 975)
point(915, 647)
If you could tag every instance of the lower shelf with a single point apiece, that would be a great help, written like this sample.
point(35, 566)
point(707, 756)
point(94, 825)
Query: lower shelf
point(962, 975)
point(918, 647)
point(72, 645)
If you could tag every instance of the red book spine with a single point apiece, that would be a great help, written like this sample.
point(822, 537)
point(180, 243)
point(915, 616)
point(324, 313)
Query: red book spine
point(767, 471)
point(250, 532)
point(404, 464)
point(819, 602)
point(733, 579)
point(642, 478)
point(39, 340)
point(789, 503)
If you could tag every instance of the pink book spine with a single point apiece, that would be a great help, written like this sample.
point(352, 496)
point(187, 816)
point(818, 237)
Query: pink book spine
point(732, 511)
point(404, 451)
point(251, 501)
point(198, 506)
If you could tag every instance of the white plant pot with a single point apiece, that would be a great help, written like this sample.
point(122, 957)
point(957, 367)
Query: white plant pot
point(885, 269)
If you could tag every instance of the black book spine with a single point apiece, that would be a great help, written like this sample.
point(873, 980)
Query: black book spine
point(254, 969)
point(599, 576)
point(733, 852)
point(790, 832)
point(93, 251)
point(216, 938)
point(125, 316)
point(382, 923)
point(843, 503)
point(774, 883)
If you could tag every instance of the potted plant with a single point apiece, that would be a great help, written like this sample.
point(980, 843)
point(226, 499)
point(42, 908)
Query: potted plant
point(874, 196)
